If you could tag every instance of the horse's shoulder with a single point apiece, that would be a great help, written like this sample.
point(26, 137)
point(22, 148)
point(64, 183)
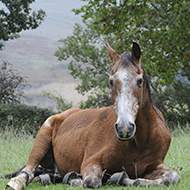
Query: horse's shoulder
point(162, 136)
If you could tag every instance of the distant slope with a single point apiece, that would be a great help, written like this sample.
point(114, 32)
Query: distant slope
point(34, 57)
point(33, 53)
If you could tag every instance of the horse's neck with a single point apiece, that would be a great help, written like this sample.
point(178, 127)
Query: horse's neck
point(145, 122)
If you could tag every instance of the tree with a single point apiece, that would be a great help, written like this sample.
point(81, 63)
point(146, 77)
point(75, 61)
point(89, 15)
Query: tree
point(161, 27)
point(11, 84)
point(89, 63)
point(62, 104)
point(17, 16)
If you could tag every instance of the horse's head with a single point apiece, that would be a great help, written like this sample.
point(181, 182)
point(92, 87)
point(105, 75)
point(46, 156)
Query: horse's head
point(126, 80)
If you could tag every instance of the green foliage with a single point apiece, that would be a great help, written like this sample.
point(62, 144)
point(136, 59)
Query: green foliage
point(97, 100)
point(62, 104)
point(89, 62)
point(22, 117)
point(162, 30)
point(173, 100)
point(17, 16)
point(161, 27)
point(11, 84)
point(88, 59)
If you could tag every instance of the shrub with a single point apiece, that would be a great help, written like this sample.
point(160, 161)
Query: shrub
point(97, 100)
point(173, 101)
point(23, 117)
point(11, 84)
point(62, 104)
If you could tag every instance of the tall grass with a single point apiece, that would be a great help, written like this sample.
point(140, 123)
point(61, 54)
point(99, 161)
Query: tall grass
point(15, 149)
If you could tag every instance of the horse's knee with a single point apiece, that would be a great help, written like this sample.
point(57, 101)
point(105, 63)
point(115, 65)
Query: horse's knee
point(171, 178)
point(92, 175)
point(92, 182)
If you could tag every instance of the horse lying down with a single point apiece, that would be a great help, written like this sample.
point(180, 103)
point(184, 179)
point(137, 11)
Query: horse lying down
point(127, 141)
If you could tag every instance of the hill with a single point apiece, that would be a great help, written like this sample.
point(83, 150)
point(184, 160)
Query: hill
point(33, 53)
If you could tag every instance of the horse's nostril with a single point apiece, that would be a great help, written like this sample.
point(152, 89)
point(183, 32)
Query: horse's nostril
point(132, 126)
point(116, 125)
point(132, 129)
point(117, 128)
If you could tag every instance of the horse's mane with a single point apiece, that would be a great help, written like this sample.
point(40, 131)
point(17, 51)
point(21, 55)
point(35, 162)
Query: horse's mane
point(148, 84)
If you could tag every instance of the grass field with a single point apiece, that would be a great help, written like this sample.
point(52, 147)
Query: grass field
point(15, 149)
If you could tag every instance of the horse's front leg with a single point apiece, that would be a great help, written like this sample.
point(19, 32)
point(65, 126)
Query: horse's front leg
point(92, 175)
point(162, 175)
point(40, 150)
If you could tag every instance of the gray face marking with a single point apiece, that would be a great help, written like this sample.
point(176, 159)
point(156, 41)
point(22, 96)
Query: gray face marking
point(126, 105)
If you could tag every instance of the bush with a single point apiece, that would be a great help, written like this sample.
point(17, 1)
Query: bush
point(173, 101)
point(173, 120)
point(22, 117)
point(98, 100)
point(62, 104)
point(11, 84)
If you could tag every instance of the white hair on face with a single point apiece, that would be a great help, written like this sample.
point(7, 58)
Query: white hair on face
point(126, 105)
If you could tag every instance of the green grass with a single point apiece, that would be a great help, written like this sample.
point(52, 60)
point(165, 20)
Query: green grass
point(14, 152)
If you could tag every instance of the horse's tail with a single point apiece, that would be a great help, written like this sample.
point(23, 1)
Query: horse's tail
point(39, 171)
point(9, 176)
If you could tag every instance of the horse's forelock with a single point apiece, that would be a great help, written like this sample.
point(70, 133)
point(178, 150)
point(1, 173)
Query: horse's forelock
point(126, 61)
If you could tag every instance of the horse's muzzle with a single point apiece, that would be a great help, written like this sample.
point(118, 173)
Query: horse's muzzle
point(125, 132)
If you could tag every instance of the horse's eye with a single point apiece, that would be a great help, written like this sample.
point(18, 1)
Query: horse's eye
point(139, 82)
point(111, 83)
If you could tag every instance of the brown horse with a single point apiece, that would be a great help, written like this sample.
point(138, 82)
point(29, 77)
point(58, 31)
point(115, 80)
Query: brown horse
point(129, 139)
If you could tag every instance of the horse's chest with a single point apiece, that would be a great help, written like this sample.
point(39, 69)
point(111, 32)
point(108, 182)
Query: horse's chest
point(131, 160)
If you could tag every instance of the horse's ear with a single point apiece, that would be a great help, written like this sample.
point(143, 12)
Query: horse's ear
point(112, 54)
point(136, 52)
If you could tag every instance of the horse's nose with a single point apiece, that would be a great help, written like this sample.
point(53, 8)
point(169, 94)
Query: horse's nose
point(131, 126)
point(122, 127)
point(118, 129)
point(125, 132)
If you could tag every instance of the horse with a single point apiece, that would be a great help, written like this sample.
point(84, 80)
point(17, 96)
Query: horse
point(127, 140)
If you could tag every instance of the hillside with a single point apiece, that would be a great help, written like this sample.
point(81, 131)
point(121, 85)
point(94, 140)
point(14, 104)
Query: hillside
point(33, 53)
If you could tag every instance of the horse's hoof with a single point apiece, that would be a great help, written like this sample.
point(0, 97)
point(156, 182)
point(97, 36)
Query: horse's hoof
point(45, 179)
point(92, 182)
point(76, 182)
point(17, 183)
point(13, 184)
point(116, 178)
point(120, 179)
point(73, 179)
